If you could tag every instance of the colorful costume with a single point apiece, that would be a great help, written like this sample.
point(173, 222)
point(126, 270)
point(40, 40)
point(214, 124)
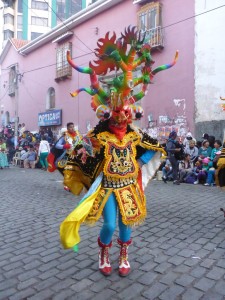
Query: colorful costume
point(60, 157)
point(122, 157)
point(3, 156)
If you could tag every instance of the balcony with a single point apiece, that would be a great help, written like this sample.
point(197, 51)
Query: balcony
point(154, 37)
point(63, 73)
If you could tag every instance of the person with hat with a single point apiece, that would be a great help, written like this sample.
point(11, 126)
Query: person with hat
point(172, 148)
point(187, 140)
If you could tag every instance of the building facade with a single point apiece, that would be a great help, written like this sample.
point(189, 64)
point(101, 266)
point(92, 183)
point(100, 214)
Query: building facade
point(41, 79)
point(28, 19)
point(209, 67)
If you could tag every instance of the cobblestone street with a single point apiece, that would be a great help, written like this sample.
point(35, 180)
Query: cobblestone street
point(178, 253)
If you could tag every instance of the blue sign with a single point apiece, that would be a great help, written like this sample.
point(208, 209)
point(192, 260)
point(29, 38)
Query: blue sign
point(49, 118)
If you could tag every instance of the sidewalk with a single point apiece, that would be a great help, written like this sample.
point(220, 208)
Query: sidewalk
point(178, 253)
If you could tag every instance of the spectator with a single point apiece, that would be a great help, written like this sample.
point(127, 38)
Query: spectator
point(167, 171)
point(192, 150)
point(205, 150)
point(205, 136)
point(22, 128)
point(211, 140)
point(3, 155)
point(217, 147)
point(43, 151)
point(172, 149)
point(202, 174)
point(30, 161)
point(210, 180)
point(185, 167)
point(188, 139)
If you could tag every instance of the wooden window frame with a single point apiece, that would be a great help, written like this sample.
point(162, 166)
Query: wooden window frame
point(63, 68)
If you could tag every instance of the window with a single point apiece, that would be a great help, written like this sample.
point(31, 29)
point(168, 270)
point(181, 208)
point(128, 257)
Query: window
point(9, 3)
point(39, 5)
point(39, 21)
point(12, 81)
point(61, 11)
point(150, 22)
point(50, 100)
point(19, 22)
point(8, 19)
point(20, 6)
point(8, 34)
point(74, 6)
point(63, 69)
point(19, 35)
point(34, 35)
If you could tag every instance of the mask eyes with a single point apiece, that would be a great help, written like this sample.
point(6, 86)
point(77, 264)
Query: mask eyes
point(103, 112)
point(137, 112)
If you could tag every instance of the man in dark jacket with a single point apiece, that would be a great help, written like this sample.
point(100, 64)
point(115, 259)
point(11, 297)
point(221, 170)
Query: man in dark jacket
point(172, 149)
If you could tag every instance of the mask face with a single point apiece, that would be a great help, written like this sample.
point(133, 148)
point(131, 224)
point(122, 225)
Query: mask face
point(189, 138)
point(121, 116)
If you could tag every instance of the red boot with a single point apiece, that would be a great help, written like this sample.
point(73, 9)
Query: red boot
point(124, 266)
point(104, 263)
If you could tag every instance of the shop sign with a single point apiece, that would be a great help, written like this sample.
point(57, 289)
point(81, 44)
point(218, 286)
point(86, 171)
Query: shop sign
point(49, 118)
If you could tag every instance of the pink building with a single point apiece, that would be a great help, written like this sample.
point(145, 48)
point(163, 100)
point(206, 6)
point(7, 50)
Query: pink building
point(36, 80)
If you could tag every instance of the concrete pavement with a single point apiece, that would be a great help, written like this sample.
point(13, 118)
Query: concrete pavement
point(178, 253)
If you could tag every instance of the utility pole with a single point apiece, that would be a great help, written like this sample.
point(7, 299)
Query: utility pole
point(16, 105)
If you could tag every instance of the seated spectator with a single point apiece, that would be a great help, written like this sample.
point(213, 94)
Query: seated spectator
point(202, 174)
point(30, 161)
point(185, 167)
point(23, 155)
point(205, 136)
point(204, 151)
point(167, 172)
point(217, 147)
point(211, 140)
point(192, 150)
point(188, 139)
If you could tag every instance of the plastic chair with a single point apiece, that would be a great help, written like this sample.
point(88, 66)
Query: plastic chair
point(16, 159)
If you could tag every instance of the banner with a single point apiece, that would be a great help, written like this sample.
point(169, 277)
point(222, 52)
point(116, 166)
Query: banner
point(49, 118)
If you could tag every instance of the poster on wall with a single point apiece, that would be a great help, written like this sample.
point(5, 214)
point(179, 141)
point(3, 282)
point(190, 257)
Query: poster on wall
point(50, 118)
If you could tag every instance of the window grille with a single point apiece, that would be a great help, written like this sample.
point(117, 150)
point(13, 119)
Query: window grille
point(63, 69)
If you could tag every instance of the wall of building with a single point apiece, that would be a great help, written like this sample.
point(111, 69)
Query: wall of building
point(1, 25)
point(169, 101)
point(209, 68)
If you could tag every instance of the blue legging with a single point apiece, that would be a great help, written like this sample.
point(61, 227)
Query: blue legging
point(109, 226)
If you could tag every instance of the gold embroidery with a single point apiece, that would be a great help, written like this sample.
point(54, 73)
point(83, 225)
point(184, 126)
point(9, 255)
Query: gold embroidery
point(132, 204)
point(98, 205)
point(120, 156)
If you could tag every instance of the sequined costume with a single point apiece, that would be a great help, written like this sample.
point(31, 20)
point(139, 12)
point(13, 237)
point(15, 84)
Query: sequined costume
point(122, 158)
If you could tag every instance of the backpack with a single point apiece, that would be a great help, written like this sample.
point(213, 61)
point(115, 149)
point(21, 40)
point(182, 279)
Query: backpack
point(190, 179)
point(181, 154)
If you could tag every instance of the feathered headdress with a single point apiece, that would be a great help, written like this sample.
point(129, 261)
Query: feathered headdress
point(123, 55)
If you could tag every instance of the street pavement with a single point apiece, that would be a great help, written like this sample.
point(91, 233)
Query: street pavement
point(178, 253)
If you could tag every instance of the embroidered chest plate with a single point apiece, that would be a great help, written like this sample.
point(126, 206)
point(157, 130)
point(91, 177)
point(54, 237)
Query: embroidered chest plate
point(120, 155)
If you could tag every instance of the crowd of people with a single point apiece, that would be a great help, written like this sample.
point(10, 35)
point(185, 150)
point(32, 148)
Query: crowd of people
point(33, 148)
point(191, 161)
point(188, 160)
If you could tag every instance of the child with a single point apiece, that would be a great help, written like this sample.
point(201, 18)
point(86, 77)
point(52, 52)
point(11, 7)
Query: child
point(202, 173)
